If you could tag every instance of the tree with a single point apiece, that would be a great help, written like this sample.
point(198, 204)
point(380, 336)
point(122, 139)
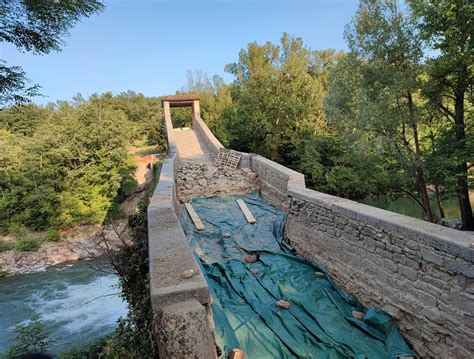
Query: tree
point(69, 163)
point(14, 86)
point(277, 91)
point(447, 27)
point(37, 26)
point(215, 100)
point(385, 41)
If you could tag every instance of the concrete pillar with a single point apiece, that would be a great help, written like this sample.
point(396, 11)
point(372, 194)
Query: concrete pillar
point(196, 110)
point(167, 111)
point(182, 331)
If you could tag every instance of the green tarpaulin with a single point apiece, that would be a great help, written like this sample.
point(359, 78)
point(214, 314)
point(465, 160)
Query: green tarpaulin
point(319, 322)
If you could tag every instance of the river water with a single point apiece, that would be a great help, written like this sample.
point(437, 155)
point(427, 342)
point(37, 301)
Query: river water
point(409, 207)
point(77, 303)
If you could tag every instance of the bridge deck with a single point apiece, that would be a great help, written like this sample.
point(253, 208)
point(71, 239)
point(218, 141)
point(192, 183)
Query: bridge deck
point(189, 146)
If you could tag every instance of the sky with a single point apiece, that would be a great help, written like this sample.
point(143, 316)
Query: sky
point(147, 46)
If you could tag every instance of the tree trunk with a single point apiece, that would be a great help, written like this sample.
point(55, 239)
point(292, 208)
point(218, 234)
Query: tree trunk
point(439, 201)
point(462, 182)
point(420, 177)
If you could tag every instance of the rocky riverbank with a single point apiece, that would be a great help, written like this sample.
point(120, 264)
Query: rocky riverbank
point(83, 242)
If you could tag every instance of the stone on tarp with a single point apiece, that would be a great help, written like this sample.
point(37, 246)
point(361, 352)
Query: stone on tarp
point(283, 304)
point(358, 315)
point(250, 258)
point(236, 354)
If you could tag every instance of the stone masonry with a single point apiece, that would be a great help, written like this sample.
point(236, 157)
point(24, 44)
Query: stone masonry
point(429, 291)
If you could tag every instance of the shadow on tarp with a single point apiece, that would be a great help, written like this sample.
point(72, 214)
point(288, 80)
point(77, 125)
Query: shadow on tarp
point(319, 323)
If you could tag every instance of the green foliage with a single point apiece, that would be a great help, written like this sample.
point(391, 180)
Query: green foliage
point(6, 246)
point(134, 336)
point(181, 117)
point(27, 245)
point(446, 28)
point(68, 163)
point(17, 229)
point(36, 26)
point(3, 274)
point(52, 235)
point(93, 350)
point(31, 338)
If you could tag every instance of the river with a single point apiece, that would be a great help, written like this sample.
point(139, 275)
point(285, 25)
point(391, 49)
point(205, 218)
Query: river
point(408, 206)
point(77, 303)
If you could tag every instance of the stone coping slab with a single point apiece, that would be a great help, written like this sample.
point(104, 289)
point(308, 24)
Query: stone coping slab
point(445, 239)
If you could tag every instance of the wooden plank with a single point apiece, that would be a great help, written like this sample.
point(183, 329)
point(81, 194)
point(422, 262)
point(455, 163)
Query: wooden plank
point(196, 220)
point(248, 215)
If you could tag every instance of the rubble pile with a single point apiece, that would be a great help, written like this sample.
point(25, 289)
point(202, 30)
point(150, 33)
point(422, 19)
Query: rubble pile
point(196, 179)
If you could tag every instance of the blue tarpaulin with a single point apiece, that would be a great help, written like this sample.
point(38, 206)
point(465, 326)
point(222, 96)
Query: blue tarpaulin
point(319, 322)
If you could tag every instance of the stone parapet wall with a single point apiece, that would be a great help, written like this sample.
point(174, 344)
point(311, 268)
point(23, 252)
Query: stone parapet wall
point(420, 273)
point(205, 134)
point(178, 301)
point(276, 179)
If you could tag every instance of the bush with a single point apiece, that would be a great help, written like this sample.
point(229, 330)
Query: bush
point(92, 350)
point(3, 274)
point(31, 338)
point(6, 246)
point(133, 338)
point(52, 235)
point(18, 230)
point(27, 245)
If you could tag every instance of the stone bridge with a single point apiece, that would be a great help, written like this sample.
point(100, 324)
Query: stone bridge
point(422, 274)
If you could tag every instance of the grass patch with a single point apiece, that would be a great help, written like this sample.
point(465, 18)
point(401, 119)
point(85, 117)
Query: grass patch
point(27, 245)
point(6, 246)
point(52, 235)
point(147, 150)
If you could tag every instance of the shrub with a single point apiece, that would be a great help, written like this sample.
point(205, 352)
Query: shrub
point(6, 246)
point(3, 273)
point(27, 245)
point(92, 350)
point(52, 235)
point(31, 337)
point(18, 230)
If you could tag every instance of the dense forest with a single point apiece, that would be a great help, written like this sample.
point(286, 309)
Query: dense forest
point(68, 163)
point(393, 115)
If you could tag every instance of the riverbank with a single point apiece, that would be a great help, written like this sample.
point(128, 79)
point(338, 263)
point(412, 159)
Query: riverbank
point(83, 241)
point(79, 243)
